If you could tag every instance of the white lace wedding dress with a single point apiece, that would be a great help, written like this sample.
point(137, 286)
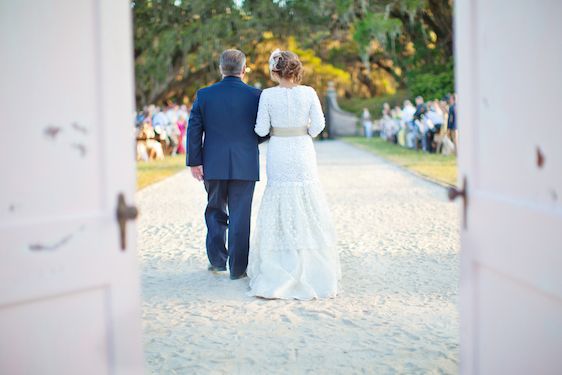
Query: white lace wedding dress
point(293, 251)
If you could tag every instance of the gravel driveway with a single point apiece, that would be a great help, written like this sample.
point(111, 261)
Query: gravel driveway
point(396, 312)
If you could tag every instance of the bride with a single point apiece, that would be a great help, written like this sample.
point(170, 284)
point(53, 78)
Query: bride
point(293, 253)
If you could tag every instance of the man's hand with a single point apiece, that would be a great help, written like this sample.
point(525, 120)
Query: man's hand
point(197, 172)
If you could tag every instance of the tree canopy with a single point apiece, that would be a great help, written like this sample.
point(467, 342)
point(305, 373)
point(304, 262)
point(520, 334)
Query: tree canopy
point(368, 48)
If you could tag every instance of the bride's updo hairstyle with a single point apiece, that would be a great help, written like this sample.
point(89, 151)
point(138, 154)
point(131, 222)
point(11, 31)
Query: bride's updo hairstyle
point(286, 64)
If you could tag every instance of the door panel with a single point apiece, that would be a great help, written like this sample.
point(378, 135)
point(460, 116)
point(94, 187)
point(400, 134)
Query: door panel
point(53, 98)
point(517, 60)
point(528, 244)
point(69, 295)
point(42, 346)
point(51, 254)
point(508, 76)
point(523, 320)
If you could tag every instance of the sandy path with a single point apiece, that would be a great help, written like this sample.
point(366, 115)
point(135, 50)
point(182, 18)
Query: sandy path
point(396, 313)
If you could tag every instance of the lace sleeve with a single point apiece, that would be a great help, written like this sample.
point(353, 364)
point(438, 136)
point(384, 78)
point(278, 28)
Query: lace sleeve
point(263, 121)
point(317, 121)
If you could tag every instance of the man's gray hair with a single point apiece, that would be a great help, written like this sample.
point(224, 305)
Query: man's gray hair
point(232, 61)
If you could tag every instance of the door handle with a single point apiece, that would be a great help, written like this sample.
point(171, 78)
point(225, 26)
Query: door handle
point(124, 214)
point(455, 193)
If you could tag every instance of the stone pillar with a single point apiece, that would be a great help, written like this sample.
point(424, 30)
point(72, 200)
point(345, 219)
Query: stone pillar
point(330, 95)
point(339, 122)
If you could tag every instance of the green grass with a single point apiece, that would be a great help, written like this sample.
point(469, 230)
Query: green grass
point(436, 167)
point(157, 170)
point(356, 105)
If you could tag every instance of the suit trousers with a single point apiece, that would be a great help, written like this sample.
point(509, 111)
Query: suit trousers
point(229, 207)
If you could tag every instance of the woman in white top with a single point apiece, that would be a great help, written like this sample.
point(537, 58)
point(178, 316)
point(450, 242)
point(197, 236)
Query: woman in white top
point(367, 122)
point(293, 252)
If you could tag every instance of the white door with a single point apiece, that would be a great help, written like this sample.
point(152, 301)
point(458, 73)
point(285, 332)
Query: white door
point(509, 76)
point(69, 295)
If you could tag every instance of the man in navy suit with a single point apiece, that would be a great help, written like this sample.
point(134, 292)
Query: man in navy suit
point(222, 151)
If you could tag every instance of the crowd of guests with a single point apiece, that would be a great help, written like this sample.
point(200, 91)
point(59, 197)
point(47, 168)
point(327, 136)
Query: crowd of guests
point(431, 126)
point(161, 131)
point(427, 126)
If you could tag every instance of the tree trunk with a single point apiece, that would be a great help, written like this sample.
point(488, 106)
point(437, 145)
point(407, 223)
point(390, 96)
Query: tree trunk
point(365, 78)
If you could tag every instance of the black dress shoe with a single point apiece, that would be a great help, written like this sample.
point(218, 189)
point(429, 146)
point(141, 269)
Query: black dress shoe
point(216, 269)
point(232, 277)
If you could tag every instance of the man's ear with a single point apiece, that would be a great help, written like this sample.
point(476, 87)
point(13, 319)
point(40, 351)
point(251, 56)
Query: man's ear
point(243, 73)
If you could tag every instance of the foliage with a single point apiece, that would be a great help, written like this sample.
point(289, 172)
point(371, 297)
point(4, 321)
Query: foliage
point(317, 73)
point(374, 104)
point(374, 27)
point(173, 49)
point(368, 48)
point(432, 84)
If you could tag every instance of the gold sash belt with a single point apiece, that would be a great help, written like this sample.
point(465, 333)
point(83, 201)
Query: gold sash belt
point(289, 132)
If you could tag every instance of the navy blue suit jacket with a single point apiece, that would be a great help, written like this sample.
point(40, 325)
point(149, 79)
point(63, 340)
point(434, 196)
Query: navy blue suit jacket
point(220, 134)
